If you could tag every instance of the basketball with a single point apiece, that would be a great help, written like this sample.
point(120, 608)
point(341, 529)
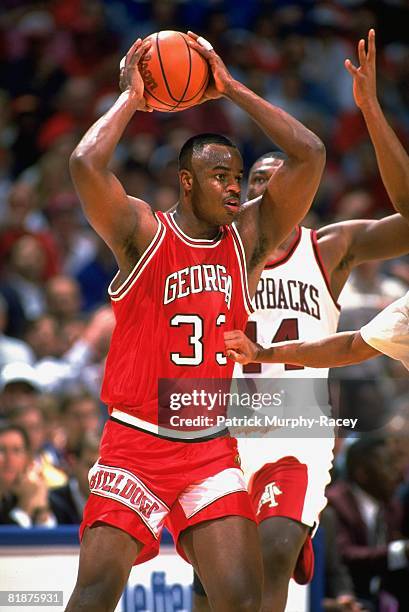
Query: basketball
point(175, 75)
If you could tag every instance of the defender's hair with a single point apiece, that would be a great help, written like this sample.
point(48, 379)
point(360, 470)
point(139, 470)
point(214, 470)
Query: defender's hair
point(195, 145)
point(272, 154)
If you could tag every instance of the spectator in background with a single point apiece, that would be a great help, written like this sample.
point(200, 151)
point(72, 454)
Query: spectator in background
point(339, 590)
point(26, 274)
point(23, 491)
point(22, 215)
point(31, 419)
point(367, 292)
point(96, 275)
point(11, 349)
point(19, 385)
point(80, 414)
point(370, 522)
point(75, 242)
point(42, 336)
point(63, 297)
point(68, 501)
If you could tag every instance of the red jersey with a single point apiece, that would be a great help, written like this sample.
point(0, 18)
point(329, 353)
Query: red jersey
point(171, 313)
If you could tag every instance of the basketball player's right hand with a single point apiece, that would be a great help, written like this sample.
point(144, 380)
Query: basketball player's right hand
point(240, 348)
point(364, 77)
point(221, 81)
point(130, 78)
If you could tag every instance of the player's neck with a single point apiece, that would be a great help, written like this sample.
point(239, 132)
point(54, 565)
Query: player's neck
point(192, 226)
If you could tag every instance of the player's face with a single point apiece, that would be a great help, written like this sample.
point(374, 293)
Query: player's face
point(216, 185)
point(259, 176)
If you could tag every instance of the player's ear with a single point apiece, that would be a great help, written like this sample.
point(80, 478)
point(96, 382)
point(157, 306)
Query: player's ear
point(186, 179)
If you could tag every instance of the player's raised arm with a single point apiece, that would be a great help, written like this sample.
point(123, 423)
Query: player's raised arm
point(291, 190)
point(362, 240)
point(114, 215)
point(346, 348)
point(393, 161)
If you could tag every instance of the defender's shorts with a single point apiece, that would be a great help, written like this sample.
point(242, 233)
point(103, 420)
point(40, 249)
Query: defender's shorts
point(140, 477)
point(284, 488)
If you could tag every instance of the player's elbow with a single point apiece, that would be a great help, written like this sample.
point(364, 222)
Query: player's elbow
point(313, 154)
point(317, 150)
point(77, 160)
point(81, 163)
point(401, 202)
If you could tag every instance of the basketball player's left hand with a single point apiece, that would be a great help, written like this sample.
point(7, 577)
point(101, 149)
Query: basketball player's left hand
point(130, 78)
point(239, 347)
point(364, 77)
point(221, 80)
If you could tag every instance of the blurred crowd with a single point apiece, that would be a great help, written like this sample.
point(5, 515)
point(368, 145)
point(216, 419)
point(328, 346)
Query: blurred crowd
point(58, 73)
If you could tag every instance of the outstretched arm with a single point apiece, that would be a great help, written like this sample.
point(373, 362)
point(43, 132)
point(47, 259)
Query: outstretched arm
point(393, 161)
point(117, 217)
point(337, 350)
point(267, 221)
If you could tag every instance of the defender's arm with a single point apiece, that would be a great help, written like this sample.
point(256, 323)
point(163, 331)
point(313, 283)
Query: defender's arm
point(393, 161)
point(337, 350)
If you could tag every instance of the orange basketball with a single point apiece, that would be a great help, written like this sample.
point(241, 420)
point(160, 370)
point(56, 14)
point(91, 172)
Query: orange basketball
point(175, 75)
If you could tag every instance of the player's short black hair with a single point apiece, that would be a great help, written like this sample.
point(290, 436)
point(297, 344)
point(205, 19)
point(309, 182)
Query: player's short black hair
point(196, 143)
point(272, 154)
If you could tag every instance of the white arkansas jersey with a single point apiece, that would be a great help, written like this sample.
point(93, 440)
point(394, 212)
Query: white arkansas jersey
point(293, 301)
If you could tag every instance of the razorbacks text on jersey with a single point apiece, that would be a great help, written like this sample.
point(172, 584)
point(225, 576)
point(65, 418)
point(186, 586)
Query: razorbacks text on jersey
point(293, 301)
point(170, 314)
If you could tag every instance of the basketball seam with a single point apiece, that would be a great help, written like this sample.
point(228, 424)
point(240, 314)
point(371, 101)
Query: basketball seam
point(159, 100)
point(163, 71)
point(190, 69)
point(173, 106)
point(202, 86)
point(181, 104)
point(181, 101)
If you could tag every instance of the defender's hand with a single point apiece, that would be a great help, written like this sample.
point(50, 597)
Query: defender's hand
point(239, 348)
point(221, 81)
point(364, 77)
point(130, 78)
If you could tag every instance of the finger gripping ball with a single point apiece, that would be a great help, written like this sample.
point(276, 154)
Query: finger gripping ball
point(175, 75)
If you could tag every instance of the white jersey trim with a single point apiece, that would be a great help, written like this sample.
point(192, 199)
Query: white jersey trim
point(322, 268)
point(140, 266)
point(241, 256)
point(198, 243)
point(164, 431)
